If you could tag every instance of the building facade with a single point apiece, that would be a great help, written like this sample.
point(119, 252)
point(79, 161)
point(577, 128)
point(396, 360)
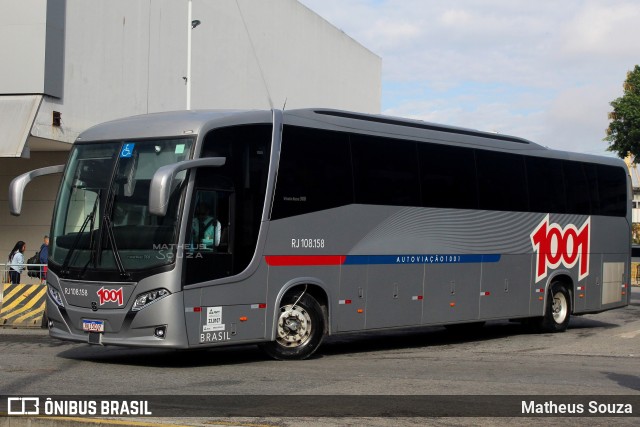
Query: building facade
point(70, 64)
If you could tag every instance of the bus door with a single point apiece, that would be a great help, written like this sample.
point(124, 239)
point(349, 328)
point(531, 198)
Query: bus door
point(232, 195)
point(225, 216)
point(209, 250)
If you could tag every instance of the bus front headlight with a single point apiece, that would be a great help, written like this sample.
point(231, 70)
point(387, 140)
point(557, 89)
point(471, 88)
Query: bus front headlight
point(55, 295)
point(145, 299)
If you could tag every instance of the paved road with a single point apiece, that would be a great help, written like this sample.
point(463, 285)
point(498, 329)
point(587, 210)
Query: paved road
point(598, 355)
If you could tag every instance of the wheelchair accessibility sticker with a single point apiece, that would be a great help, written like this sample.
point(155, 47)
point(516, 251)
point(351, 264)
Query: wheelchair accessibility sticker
point(127, 150)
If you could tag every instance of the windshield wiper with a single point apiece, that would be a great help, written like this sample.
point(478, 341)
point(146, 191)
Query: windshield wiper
point(107, 226)
point(92, 254)
point(90, 217)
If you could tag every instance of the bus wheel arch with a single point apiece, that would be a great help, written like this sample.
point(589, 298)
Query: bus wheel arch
point(300, 323)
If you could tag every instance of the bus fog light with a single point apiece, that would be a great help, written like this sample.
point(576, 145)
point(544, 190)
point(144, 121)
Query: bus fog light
point(160, 332)
point(55, 295)
point(148, 298)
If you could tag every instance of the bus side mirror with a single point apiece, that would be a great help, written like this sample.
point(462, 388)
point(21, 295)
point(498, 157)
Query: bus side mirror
point(17, 186)
point(160, 187)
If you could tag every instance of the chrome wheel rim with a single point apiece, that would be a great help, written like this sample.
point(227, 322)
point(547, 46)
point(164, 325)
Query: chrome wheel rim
point(560, 307)
point(294, 326)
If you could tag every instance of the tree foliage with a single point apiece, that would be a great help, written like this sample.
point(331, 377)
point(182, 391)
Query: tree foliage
point(623, 132)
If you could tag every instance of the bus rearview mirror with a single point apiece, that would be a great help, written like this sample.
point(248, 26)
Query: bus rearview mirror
point(161, 183)
point(17, 186)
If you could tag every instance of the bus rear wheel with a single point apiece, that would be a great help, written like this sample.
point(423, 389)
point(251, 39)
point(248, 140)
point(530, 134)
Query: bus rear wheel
point(558, 310)
point(299, 328)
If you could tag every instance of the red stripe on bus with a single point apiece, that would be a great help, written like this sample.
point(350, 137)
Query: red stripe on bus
point(303, 260)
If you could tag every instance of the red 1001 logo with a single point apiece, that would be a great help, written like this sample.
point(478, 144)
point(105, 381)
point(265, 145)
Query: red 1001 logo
point(555, 245)
point(110, 295)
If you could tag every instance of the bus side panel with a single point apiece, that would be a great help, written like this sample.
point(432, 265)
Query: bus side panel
point(393, 293)
point(333, 233)
point(506, 287)
point(606, 285)
point(451, 293)
point(349, 314)
point(192, 299)
point(614, 281)
point(222, 313)
point(588, 292)
point(615, 239)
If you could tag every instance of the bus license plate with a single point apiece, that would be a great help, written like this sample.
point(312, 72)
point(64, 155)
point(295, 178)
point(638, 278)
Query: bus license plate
point(92, 325)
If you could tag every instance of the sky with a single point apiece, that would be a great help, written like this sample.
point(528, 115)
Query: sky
point(545, 70)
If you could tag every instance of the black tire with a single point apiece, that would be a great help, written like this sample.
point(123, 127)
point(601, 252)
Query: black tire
point(558, 310)
point(299, 328)
point(45, 320)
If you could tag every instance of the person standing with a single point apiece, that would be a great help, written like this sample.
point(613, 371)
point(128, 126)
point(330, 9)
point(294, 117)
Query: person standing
point(16, 262)
point(44, 258)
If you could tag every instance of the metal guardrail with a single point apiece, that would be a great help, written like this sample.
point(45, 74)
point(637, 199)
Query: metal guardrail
point(31, 274)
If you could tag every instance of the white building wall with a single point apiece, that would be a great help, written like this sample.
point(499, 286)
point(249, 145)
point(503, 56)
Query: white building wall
point(304, 59)
point(127, 57)
point(32, 46)
point(23, 27)
point(635, 208)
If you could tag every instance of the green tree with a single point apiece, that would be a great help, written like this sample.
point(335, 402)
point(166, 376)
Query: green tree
point(623, 133)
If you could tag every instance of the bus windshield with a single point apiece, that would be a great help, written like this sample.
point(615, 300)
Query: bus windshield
point(101, 219)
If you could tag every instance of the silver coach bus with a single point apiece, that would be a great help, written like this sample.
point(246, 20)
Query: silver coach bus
point(209, 228)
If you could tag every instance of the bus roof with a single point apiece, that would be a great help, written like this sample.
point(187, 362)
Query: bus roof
point(193, 122)
point(171, 123)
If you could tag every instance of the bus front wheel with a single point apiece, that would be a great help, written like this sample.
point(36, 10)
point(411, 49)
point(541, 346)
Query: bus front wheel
point(299, 328)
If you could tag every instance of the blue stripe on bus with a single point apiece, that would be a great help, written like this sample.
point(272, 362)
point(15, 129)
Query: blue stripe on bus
point(420, 259)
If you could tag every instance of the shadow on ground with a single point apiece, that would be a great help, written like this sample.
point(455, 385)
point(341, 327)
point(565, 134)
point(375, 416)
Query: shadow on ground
point(410, 338)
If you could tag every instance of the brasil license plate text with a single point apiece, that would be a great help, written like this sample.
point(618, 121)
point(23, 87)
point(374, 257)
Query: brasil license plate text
point(93, 325)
